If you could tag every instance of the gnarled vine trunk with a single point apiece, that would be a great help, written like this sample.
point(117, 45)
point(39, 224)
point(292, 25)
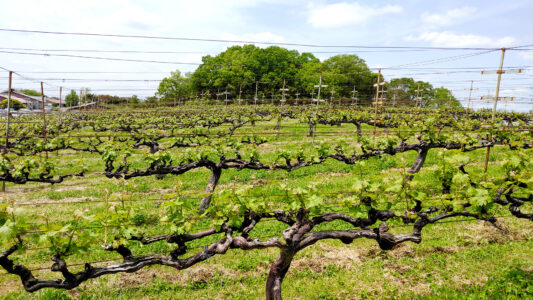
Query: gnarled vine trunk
point(216, 172)
point(277, 273)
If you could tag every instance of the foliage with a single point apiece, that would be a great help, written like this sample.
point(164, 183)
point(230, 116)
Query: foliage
point(174, 87)
point(15, 104)
point(72, 99)
point(29, 92)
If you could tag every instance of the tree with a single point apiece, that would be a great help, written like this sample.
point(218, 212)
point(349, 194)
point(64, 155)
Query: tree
point(239, 68)
point(15, 104)
point(344, 72)
point(30, 92)
point(443, 98)
point(405, 90)
point(174, 87)
point(135, 99)
point(72, 99)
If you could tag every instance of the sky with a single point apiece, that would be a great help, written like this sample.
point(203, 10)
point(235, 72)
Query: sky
point(408, 23)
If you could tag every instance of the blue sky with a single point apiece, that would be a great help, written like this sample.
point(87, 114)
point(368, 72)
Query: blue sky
point(371, 23)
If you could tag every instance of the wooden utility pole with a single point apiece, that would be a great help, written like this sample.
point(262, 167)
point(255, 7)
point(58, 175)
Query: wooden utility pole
point(376, 103)
point(44, 118)
point(283, 90)
point(226, 93)
point(418, 98)
point(8, 119)
point(318, 100)
point(255, 95)
point(8, 106)
point(469, 99)
point(240, 92)
point(60, 99)
point(500, 71)
point(487, 154)
point(332, 92)
point(355, 100)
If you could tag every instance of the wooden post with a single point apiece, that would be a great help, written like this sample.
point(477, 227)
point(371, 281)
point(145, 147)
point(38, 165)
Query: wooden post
point(8, 106)
point(60, 99)
point(376, 104)
point(469, 99)
point(255, 96)
point(283, 90)
point(44, 117)
point(7, 120)
point(240, 93)
point(494, 107)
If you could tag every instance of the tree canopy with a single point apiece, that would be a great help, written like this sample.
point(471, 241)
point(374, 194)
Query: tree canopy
point(241, 70)
point(72, 99)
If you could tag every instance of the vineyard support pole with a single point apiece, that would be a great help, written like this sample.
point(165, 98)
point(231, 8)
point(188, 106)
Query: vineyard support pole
point(469, 99)
point(255, 96)
point(8, 106)
point(283, 90)
point(60, 100)
point(8, 119)
point(44, 117)
point(376, 104)
point(494, 107)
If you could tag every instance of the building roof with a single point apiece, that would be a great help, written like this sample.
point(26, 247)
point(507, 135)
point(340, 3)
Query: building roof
point(54, 100)
point(4, 96)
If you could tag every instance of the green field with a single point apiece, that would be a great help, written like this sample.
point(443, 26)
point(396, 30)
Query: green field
point(459, 258)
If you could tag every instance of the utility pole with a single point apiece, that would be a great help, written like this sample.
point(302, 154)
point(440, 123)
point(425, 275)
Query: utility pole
point(318, 100)
point(377, 85)
point(60, 99)
point(7, 120)
point(44, 117)
point(469, 99)
point(355, 100)
point(497, 94)
point(240, 92)
point(255, 95)
point(226, 93)
point(283, 90)
point(418, 99)
point(8, 106)
point(382, 93)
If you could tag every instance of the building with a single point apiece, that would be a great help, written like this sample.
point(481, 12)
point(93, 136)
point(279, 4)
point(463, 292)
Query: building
point(32, 102)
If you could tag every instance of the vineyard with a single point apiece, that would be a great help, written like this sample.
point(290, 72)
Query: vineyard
point(255, 201)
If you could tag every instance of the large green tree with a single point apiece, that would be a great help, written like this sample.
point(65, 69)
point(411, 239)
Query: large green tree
point(442, 98)
point(175, 87)
point(72, 99)
point(239, 68)
point(345, 72)
point(30, 92)
point(405, 90)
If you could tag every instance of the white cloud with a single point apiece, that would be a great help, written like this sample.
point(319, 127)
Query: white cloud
point(450, 39)
point(526, 54)
point(345, 14)
point(449, 17)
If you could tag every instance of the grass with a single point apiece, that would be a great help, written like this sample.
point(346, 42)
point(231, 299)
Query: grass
point(464, 260)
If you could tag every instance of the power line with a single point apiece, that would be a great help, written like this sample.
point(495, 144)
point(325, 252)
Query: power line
point(248, 42)
point(102, 58)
